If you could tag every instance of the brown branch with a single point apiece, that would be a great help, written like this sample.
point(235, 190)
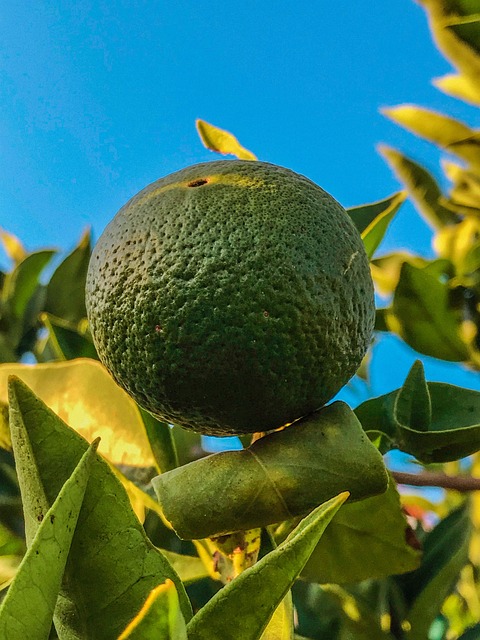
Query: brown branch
point(430, 479)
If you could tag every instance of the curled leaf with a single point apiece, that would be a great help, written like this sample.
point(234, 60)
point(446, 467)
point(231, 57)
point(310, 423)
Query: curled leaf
point(284, 474)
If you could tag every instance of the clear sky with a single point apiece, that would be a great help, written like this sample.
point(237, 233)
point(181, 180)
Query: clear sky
point(99, 99)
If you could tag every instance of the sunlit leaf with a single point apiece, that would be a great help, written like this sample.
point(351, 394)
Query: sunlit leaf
point(269, 580)
point(222, 141)
point(421, 186)
point(386, 270)
point(443, 16)
point(159, 618)
point(85, 396)
point(456, 243)
point(27, 610)
point(372, 220)
point(235, 552)
point(112, 565)
point(13, 246)
point(281, 475)
point(459, 86)
point(449, 134)
point(465, 192)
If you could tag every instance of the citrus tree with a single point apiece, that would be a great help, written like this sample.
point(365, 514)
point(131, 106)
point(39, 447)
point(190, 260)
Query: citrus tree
point(115, 523)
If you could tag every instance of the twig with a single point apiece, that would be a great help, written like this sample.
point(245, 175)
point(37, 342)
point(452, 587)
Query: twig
point(430, 479)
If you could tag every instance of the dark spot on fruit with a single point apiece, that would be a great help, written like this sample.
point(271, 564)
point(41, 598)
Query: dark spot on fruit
point(40, 517)
point(197, 183)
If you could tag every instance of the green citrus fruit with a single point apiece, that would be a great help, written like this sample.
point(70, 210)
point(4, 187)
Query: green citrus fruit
point(231, 297)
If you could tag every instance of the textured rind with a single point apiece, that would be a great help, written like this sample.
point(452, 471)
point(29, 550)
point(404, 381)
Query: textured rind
point(233, 305)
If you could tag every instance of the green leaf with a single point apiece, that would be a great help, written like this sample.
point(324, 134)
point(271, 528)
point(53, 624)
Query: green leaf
point(27, 610)
point(65, 295)
point(386, 270)
point(281, 475)
point(280, 626)
point(112, 566)
point(21, 284)
point(372, 220)
point(10, 543)
point(160, 617)
point(161, 441)
point(85, 396)
point(189, 568)
point(64, 341)
point(445, 554)
point(472, 633)
point(454, 430)
point(467, 29)
point(366, 540)
point(413, 406)
point(449, 134)
point(421, 186)
point(269, 580)
point(422, 315)
point(222, 141)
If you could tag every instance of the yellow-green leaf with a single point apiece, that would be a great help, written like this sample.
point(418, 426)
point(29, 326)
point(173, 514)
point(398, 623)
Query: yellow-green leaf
point(27, 610)
point(13, 246)
point(255, 594)
point(386, 270)
point(459, 86)
point(447, 133)
point(159, 618)
point(221, 141)
point(455, 44)
point(112, 565)
point(281, 625)
point(372, 220)
point(421, 186)
point(85, 396)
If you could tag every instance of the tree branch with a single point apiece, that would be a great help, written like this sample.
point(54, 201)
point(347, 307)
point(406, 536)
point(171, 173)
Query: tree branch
point(430, 479)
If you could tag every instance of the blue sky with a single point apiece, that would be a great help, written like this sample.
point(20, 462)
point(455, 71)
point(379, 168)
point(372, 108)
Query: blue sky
point(100, 98)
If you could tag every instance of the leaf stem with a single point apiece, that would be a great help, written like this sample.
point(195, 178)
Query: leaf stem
point(462, 483)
